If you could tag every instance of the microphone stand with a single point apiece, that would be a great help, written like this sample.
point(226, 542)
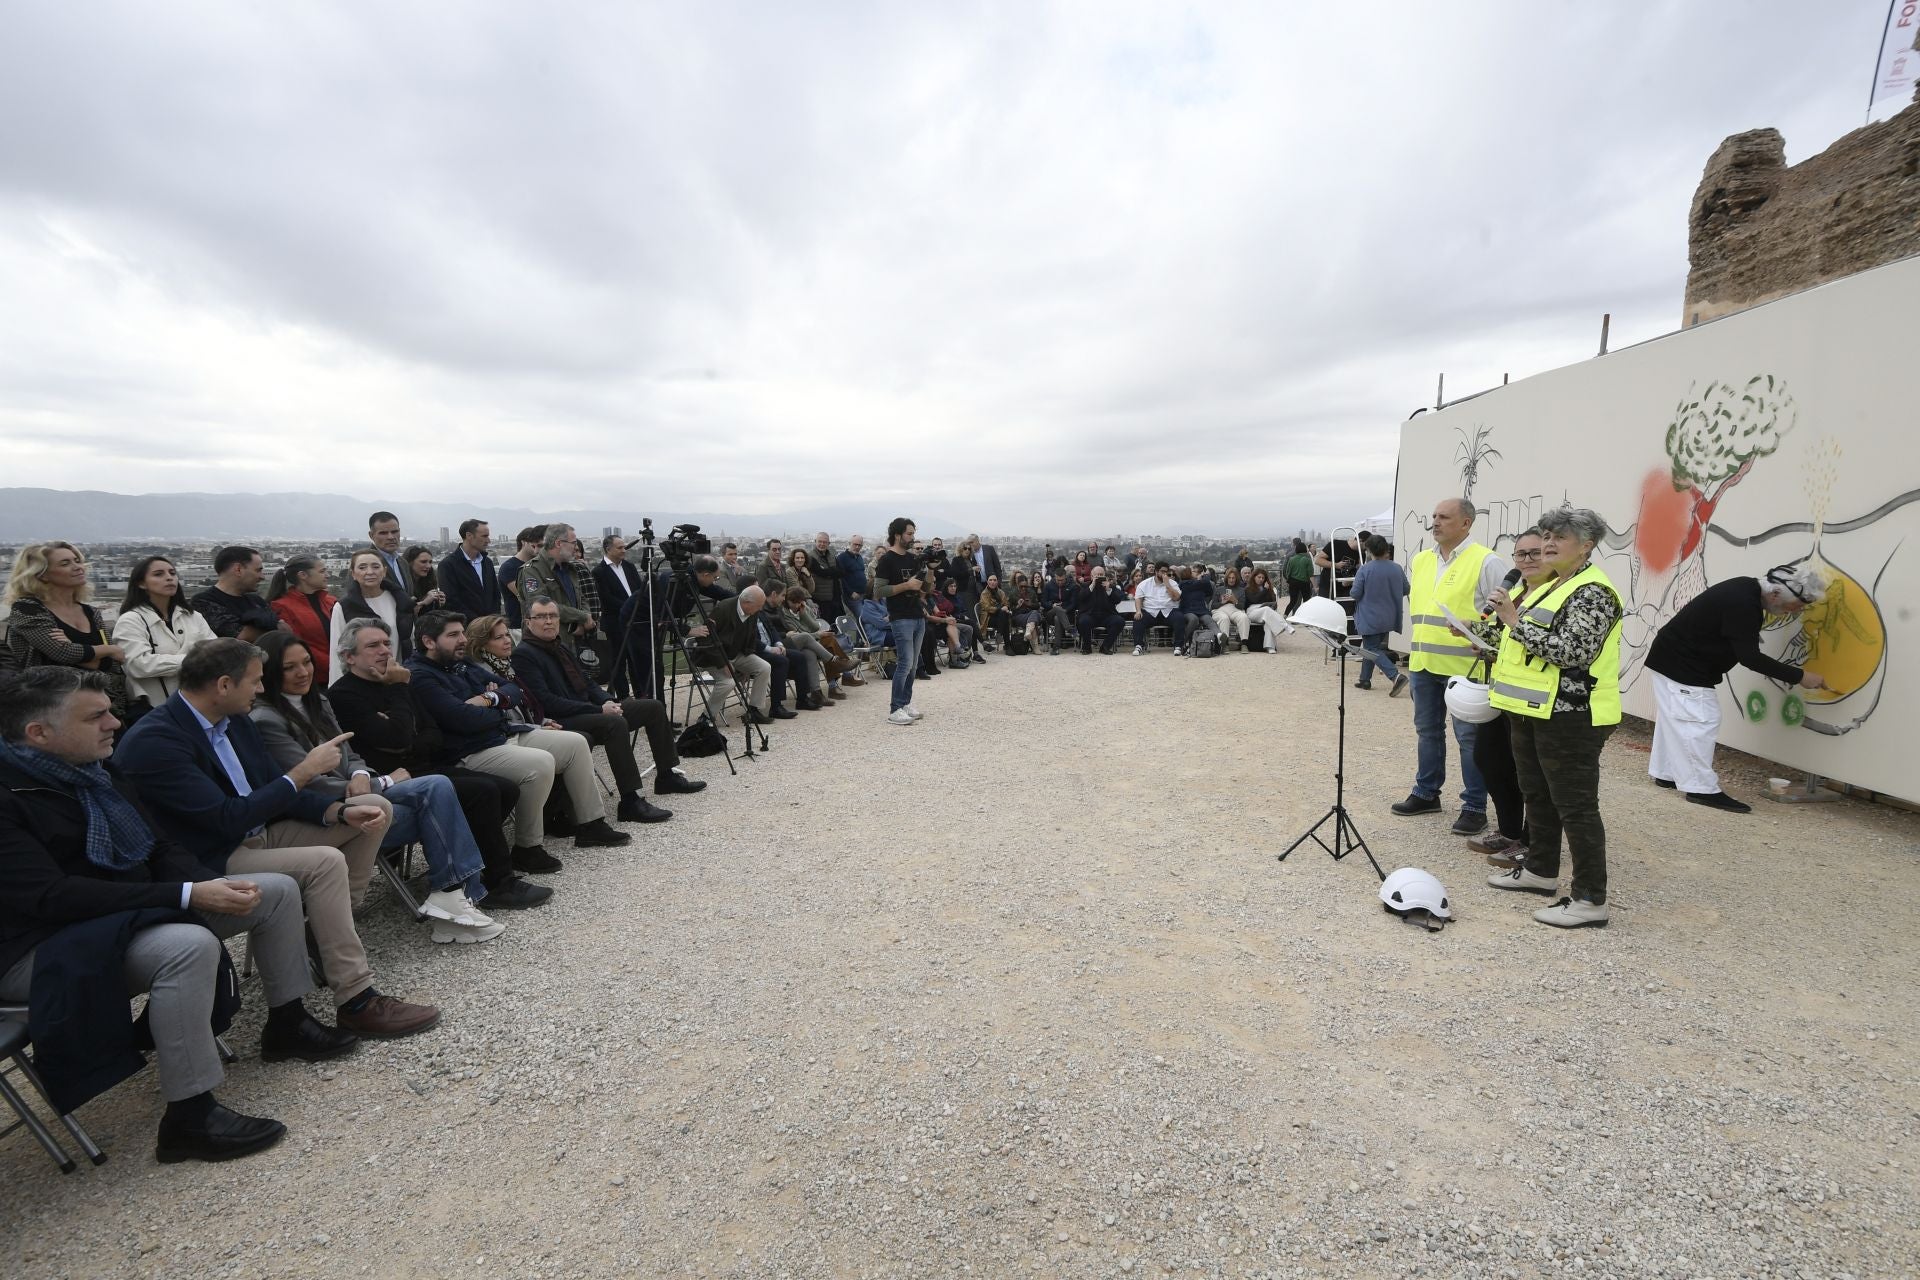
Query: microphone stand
point(1346, 836)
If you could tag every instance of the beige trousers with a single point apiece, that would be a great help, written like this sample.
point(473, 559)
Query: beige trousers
point(333, 866)
point(532, 761)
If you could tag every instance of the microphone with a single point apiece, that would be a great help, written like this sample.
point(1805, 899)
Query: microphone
point(1506, 584)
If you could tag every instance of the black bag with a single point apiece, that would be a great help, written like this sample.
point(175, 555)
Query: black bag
point(702, 738)
point(1017, 644)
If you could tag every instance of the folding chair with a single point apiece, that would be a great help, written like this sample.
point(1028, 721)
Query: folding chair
point(396, 868)
point(14, 1060)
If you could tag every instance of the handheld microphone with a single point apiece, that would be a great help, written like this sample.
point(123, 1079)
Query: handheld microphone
point(1506, 584)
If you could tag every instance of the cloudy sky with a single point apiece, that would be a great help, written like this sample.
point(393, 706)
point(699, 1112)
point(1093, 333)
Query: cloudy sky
point(1037, 267)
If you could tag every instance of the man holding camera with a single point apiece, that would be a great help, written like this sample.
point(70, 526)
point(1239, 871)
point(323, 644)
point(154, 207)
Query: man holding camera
point(897, 579)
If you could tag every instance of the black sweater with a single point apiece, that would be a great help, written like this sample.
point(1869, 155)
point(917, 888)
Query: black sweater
point(1717, 630)
point(389, 729)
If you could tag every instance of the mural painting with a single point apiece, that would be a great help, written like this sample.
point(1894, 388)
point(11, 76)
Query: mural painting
point(1779, 436)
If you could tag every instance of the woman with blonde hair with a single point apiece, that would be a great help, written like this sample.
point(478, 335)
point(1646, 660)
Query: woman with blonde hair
point(367, 596)
point(52, 625)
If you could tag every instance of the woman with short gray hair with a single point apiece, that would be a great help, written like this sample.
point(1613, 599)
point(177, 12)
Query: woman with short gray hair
point(1557, 679)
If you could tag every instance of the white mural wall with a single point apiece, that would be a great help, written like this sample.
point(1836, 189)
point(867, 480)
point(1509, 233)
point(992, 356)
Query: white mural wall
point(1783, 434)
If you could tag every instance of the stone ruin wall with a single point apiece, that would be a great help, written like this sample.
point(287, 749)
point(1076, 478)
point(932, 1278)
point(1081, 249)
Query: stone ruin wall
point(1760, 229)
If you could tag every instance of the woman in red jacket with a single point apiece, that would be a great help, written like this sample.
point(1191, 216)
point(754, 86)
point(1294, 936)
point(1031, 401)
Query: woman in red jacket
point(298, 594)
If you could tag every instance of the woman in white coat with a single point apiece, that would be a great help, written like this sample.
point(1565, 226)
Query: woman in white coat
point(155, 629)
point(368, 595)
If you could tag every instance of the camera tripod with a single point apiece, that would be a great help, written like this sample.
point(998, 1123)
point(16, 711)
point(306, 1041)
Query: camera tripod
point(1346, 836)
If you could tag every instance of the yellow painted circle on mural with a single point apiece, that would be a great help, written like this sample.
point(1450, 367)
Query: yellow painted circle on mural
point(1845, 638)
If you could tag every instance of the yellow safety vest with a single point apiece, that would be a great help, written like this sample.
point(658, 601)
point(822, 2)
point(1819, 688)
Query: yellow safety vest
point(1434, 644)
point(1527, 686)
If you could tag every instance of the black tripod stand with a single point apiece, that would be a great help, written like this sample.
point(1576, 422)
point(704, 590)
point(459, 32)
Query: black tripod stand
point(1346, 836)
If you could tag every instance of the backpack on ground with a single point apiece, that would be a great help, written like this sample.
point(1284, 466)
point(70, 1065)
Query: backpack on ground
point(1017, 644)
point(702, 738)
point(1204, 644)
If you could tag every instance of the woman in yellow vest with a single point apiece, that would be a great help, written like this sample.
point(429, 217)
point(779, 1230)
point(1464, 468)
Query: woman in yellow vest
point(1557, 678)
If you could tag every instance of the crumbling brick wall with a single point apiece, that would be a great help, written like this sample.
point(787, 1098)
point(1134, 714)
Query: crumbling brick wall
point(1760, 229)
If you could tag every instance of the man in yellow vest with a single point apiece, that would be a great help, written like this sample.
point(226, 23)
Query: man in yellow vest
point(1460, 575)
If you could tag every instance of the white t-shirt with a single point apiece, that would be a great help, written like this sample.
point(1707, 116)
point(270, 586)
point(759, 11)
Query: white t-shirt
point(1156, 598)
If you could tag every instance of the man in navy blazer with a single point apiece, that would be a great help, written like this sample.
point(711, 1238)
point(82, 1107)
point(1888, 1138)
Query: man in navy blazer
point(622, 590)
point(468, 577)
point(201, 768)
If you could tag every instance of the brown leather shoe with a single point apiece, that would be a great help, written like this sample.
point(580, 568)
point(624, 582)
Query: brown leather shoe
point(385, 1018)
point(839, 695)
point(851, 679)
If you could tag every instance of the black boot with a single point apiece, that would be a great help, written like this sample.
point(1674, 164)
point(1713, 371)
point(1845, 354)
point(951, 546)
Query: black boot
point(635, 808)
point(598, 835)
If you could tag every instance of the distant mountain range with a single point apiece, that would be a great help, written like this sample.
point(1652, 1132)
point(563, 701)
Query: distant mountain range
point(93, 516)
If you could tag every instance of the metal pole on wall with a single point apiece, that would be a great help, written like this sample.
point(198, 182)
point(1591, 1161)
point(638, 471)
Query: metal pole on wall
point(1440, 393)
point(1606, 322)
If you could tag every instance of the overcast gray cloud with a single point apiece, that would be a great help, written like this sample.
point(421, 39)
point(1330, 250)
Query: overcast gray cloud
point(1046, 268)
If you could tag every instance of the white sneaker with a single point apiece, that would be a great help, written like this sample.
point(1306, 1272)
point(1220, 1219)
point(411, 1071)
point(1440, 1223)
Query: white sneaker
point(467, 934)
point(915, 712)
point(454, 906)
point(1574, 913)
point(1139, 651)
point(1524, 880)
point(902, 716)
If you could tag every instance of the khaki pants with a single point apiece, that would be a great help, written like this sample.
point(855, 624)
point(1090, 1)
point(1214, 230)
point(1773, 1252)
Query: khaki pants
point(333, 866)
point(532, 761)
point(753, 670)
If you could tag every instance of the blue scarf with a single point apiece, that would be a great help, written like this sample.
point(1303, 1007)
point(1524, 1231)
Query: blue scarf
point(117, 837)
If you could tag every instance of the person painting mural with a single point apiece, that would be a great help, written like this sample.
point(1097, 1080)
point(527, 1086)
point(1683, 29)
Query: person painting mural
point(1717, 630)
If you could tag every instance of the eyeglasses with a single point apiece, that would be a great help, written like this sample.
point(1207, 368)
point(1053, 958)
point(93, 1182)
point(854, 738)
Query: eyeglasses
point(1529, 555)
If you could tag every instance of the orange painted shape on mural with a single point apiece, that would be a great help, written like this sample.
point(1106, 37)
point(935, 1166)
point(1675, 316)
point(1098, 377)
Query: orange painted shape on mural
point(1846, 639)
point(1665, 513)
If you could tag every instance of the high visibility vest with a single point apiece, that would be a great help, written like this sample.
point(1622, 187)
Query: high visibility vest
point(1527, 686)
point(1434, 644)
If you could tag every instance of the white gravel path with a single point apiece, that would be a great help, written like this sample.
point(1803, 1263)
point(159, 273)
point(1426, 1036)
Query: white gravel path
point(1021, 991)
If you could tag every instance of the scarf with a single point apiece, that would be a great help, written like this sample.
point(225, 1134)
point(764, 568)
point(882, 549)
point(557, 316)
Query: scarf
point(569, 668)
point(530, 712)
point(117, 837)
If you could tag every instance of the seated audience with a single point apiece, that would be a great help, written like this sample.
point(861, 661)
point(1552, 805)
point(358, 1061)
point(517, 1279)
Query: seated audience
point(1230, 609)
point(231, 605)
point(805, 630)
point(294, 717)
point(155, 629)
point(1156, 602)
point(1082, 568)
point(731, 573)
point(1026, 612)
point(995, 617)
point(369, 595)
point(799, 666)
point(725, 641)
point(203, 772)
point(300, 599)
point(396, 736)
point(1263, 606)
point(52, 625)
point(548, 669)
point(1099, 610)
point(1059, 603)
point(468, 578)
point(942, 617)
point(495, 726)
point(95, 906)
point(421, 579)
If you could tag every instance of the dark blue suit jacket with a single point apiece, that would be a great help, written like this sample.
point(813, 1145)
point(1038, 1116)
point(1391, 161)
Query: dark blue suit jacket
point(167, 758)
point(465, 593)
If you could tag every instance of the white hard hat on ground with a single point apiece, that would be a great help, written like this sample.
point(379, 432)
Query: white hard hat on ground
point(1410, 890)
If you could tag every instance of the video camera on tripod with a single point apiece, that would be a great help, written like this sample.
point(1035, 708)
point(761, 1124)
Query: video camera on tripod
point(681, 545)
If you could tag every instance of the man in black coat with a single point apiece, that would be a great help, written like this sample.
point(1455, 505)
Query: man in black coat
point(622, 590)
point(77, 851)
point(1099, 607)
point(468, 577)
point(549, 668)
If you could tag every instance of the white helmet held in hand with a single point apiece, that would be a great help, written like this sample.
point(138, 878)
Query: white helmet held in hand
point(1467, 700)
point(1411, 889)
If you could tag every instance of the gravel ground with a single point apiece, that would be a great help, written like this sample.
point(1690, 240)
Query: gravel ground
point(1022, 991)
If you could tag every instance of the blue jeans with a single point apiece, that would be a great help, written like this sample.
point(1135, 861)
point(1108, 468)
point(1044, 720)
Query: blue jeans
point(1374, 646)
point(427, 811)
point(1429, 722)
point(907, 635)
